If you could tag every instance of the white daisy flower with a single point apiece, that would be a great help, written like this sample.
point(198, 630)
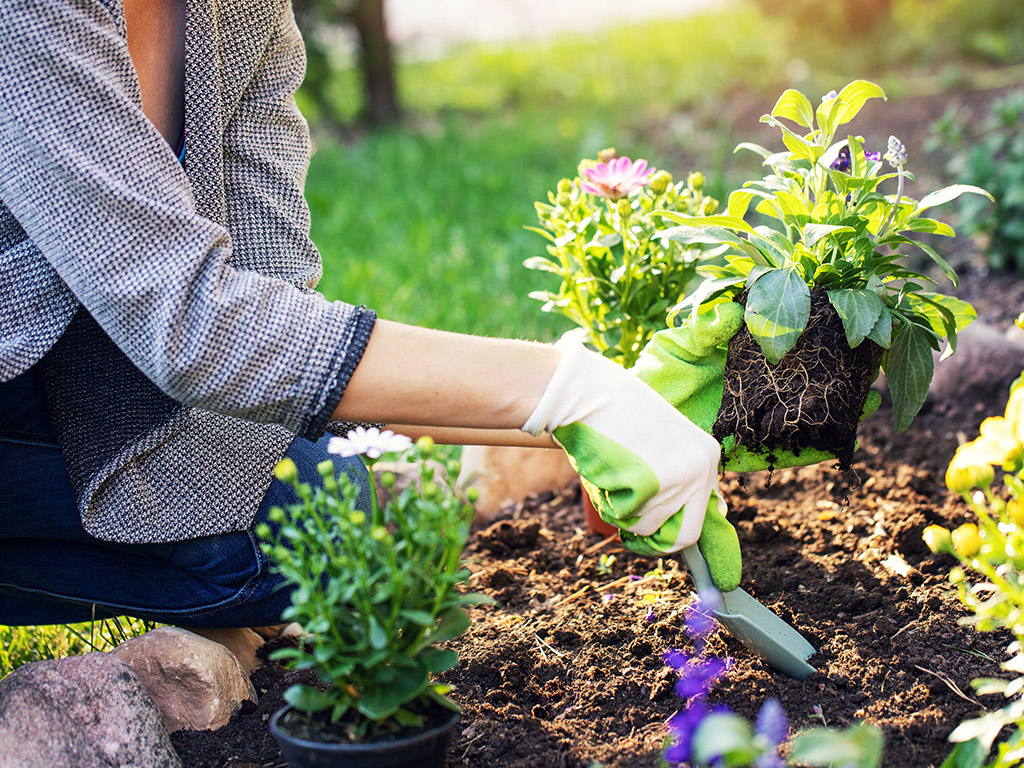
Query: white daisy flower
point(368, 442)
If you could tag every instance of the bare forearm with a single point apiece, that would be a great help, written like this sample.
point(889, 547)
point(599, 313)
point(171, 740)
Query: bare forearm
point(417, 376)
point(467, 436)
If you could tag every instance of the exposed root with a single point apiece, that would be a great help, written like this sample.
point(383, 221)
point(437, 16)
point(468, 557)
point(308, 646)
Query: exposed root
point(812, 398)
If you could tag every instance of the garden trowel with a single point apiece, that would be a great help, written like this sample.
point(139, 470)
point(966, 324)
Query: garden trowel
point(752, 624)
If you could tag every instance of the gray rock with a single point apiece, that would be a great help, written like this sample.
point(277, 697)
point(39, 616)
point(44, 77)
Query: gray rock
point(88, 711)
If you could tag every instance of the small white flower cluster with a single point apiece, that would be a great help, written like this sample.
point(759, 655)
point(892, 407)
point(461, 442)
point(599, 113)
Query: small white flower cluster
point(370, 442)
point(896, 153)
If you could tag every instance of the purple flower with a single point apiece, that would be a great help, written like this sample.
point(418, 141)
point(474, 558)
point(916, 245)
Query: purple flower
point(699, 676)
point(772, 726)
point(842, 162)
point(616, 179)
point(699, 622)
point(684, 724)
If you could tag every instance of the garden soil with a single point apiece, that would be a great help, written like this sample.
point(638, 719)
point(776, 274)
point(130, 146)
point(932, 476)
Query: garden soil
point(566, 670)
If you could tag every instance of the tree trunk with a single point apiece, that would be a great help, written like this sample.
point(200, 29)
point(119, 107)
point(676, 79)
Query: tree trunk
point(375, 60)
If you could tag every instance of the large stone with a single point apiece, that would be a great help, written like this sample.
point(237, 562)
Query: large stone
point(88, 711)
point(985, 364)
point(506, 475)
point(195, 682)
point(241, 641)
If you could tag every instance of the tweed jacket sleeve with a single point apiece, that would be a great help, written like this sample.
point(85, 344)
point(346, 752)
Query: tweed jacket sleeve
point(220, 323)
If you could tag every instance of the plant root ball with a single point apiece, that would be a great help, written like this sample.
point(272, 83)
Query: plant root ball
point(812, 399)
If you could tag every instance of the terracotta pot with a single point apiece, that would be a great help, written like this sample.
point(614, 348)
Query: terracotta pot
point(594, 522)
point(424, 749)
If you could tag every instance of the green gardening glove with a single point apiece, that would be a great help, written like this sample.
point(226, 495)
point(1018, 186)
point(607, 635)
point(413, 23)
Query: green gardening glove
point(686, 365)
point(648, 469)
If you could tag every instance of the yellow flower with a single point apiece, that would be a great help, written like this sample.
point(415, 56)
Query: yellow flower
point(1000, 439)
point(966, 540)
point(938, 539)
point(970, 468)
point(1015, 512)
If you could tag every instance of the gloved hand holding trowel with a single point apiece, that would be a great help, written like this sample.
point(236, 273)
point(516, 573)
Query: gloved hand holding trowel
point(626, 448)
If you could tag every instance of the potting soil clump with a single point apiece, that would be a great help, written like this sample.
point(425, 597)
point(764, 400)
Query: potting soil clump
point(813, 398)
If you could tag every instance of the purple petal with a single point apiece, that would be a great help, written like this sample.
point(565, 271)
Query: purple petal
point(771, 722)
point(676, 659)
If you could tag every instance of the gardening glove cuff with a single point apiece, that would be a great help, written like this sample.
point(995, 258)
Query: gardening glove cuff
point(640, 460)
point(718, 542)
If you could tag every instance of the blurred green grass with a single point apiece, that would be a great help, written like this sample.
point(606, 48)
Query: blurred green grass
point(424, 223)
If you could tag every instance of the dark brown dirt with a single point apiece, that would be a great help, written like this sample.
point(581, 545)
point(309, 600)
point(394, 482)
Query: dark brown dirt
point(812, 398)
point(566, 669)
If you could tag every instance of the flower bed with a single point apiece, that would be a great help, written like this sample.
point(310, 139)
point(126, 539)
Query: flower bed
point(568, 668)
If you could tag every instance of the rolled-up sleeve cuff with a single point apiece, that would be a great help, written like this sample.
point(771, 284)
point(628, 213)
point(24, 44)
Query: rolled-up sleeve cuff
point(346, 358)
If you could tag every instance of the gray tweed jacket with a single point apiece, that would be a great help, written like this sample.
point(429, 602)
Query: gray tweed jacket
point(170, 311)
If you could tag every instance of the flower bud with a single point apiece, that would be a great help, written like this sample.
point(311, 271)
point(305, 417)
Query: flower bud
point(357, 517)
point(472, 494)
point(388, 479)
point(695, 181)
point(1020, 321)
point(276, 515)
point(625, 208)
point(378, 533)
point(430, 490)
point(966, 540)
point(1015, 512)
point(937, 539)
point(263, 531)
point(286, 471)
point(425, 446)
point(453, 468)
point(660, 181)
point(607, 155)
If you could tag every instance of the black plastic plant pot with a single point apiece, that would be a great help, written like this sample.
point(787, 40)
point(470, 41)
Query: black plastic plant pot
point(812, 398)
point(427, 748)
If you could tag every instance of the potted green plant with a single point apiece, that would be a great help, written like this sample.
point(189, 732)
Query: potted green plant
point(828, 296)
point(376, 595)
point(616, 280)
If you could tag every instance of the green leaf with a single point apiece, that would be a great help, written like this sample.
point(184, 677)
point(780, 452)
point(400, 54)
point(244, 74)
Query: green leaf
point(308, 699)
point(729, 222)
point(928, 226)
point(778, 305)
point(859, 746)
point(378, 637)
point(853, 97)
point(725, 736)
point(947, 194)
point(439, 659)
point(814, 232)
point(753, 148)
point(476, 598)
point(966, 754)
point(739, 202)
point(881, 334)
point(453, 623)
point(859, 310)
point(941, 310)
point(422, 618)
point(908, 367)
point(794, 106)
point(542, 264)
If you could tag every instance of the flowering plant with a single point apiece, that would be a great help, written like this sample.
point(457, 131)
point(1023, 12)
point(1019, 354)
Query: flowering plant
point(832, 229)
point(992, 550)
point(704, 734)
point(617, 282)
point(375, 593)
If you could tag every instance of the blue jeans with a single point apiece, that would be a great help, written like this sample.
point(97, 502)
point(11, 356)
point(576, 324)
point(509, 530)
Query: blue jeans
point(53, 572)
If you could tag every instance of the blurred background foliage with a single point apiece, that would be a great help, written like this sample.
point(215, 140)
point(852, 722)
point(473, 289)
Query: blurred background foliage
point(423, 219)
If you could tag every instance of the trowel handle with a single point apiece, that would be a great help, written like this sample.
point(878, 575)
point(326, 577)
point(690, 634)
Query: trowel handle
point(699, 570)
